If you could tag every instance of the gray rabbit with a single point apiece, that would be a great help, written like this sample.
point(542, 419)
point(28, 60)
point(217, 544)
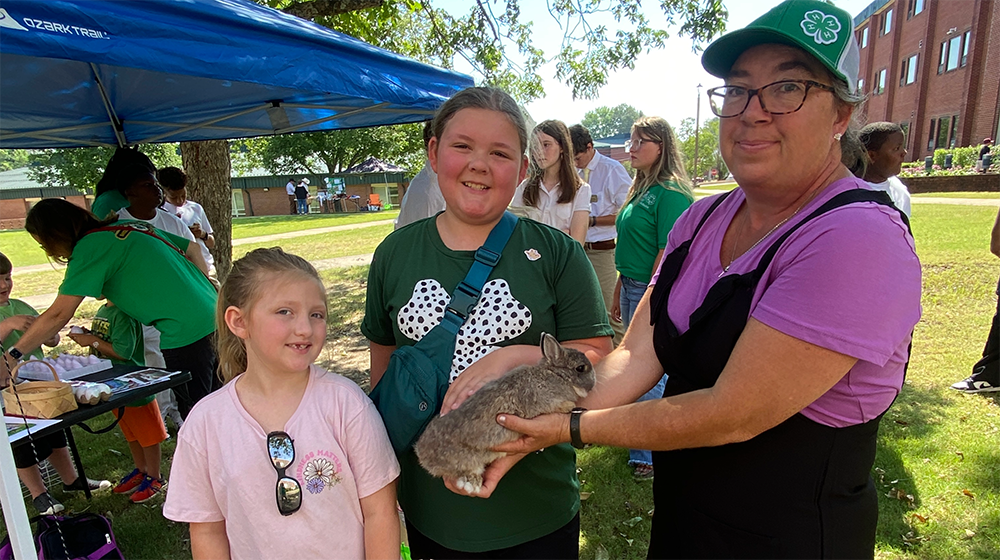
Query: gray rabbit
point(458, 444)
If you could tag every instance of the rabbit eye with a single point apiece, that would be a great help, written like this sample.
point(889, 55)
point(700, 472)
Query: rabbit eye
point(581, 368)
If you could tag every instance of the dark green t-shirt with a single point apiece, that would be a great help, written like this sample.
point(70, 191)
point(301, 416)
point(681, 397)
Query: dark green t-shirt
point(112, 325)
point(148, 279)
point(643, 225)
point(18, 307)
point(543, 283)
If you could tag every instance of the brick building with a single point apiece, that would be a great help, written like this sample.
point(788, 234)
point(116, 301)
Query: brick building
point(934, 67)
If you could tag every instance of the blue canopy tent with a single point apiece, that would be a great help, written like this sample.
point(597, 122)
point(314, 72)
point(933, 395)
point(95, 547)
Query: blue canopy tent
point(117, 73)
point(91, 73)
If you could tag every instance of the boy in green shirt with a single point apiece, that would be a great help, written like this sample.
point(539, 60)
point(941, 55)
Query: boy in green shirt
point(116, 336)
point(15, 317)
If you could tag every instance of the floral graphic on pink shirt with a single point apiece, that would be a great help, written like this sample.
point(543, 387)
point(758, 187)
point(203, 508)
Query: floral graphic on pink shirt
point(320, 469)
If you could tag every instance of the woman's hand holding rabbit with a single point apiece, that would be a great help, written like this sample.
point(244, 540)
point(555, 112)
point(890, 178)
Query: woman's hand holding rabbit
point(536, 433)
point(494, 472)
point(486, 369)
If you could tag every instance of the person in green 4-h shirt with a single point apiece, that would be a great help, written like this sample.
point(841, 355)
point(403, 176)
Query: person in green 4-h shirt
point(144, 271)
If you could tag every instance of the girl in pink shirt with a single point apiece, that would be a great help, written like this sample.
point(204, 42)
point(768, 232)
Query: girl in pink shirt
point(287, 460)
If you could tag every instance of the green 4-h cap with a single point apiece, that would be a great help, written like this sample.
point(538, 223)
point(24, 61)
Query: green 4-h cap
point(821, 29)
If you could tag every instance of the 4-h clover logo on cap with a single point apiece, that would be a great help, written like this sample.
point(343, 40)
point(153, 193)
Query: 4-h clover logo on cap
point(821, 27)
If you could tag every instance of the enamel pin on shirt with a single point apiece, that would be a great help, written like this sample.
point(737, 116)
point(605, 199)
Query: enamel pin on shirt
point(532, 255)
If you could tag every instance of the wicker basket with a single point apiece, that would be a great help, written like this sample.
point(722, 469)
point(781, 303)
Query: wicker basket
point(39, 399)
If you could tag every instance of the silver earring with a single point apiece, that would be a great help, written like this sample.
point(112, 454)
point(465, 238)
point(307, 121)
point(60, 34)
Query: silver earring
point(837, 136)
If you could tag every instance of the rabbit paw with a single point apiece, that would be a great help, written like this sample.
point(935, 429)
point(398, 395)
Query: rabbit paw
point(471, 484)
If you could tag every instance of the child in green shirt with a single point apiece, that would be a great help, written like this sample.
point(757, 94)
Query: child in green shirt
point(116, 336)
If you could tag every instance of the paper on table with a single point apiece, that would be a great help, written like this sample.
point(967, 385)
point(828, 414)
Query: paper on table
point(16, 426)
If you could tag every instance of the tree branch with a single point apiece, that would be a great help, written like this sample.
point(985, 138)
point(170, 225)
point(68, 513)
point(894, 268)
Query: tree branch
point(313, 9)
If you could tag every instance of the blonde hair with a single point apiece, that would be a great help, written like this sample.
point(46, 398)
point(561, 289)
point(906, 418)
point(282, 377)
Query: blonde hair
point(243, 288)
point(669, 167)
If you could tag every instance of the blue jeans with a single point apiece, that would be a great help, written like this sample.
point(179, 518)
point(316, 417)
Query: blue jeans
point(302, 205)
point(632, 291)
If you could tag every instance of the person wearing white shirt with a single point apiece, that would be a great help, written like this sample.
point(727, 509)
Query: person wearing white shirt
point(174, 183)
point(553, 193)
point(886, 146)
point(609, 185)
point(293, 208)
point(423, 197)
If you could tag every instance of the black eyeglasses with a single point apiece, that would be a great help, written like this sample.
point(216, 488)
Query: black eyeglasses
point(778, 98)
point(282, 453)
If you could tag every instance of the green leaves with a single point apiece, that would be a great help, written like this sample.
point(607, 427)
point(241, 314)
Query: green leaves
point(81, 168)
point(610, 121)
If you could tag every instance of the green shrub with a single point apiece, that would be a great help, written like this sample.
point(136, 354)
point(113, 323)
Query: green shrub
point(965, 157)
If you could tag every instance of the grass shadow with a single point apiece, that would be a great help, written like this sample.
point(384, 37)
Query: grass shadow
point(615, 519)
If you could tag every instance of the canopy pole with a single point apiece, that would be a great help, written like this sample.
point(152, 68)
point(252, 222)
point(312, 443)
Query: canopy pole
point(116, 123)
point(14, 513)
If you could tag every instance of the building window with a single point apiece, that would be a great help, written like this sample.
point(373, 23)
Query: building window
point(864, 37)
point(965, 46)
point(916, 6)
point(887, 22)
point(908, 73)
point(861, 85)
point(943, 133)
point(944, 57)
point(880, 82)
point(954, 53)
point(906, 132)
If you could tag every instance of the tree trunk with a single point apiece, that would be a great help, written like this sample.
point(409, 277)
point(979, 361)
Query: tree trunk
point(209, 172)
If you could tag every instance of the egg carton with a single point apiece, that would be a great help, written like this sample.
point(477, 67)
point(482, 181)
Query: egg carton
point(46, 375)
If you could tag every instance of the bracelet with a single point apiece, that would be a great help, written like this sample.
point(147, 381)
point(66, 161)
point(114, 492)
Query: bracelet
point(593, 221)
point(574, 427)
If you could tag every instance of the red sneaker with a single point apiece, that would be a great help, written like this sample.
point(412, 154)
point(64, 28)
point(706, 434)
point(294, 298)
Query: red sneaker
point(130, 482)
point(149, 489)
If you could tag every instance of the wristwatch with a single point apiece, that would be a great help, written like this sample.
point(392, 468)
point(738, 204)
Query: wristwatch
point(15, 353)
point(574, 428)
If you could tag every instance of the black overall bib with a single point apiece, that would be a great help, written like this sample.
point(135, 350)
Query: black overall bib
point(798, 490)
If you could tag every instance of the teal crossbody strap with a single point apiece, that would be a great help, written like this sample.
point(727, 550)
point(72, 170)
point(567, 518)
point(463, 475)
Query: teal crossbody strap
point(466, 294)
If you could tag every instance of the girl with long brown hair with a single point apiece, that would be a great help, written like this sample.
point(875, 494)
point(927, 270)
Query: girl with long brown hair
point(553, 193)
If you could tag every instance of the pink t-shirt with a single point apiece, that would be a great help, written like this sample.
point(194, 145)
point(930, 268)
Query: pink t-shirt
point(848, 281)
point(221, 471)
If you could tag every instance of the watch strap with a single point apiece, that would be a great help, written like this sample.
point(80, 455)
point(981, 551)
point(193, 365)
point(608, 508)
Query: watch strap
point(574, 427)
point(15, 353)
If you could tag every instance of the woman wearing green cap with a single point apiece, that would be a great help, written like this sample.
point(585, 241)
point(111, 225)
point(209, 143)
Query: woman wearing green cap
point(782, 312)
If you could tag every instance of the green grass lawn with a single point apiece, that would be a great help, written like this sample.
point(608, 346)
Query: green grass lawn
point(938, 462)
point(986, 194)
point(269, 225)
point(22, 250)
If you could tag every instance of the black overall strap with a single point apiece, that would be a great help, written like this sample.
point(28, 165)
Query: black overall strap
point(671, 268)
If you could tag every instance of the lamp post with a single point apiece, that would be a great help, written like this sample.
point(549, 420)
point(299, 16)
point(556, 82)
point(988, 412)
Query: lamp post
point(697, 125)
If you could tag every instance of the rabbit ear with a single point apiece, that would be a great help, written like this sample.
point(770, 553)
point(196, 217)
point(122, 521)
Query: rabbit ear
point(551, 349)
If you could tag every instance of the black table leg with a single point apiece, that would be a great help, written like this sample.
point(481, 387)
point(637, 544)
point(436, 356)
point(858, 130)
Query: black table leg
point(77, 461)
